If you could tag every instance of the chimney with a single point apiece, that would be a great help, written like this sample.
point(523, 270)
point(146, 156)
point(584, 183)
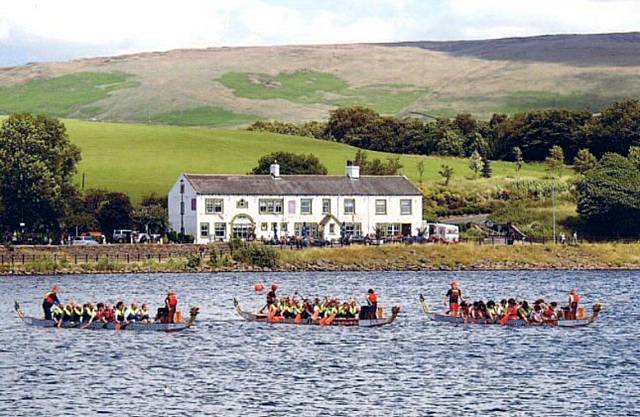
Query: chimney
point(353, 171)
point(274, 169)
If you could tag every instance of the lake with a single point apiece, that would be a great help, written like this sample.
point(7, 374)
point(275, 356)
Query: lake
point(226, 366)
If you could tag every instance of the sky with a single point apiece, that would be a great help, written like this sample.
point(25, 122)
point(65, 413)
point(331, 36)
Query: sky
point(46, 30)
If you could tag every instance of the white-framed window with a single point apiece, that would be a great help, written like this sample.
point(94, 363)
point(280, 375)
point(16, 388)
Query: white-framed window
point(193, 204)
point(220, 230)
point(389, 229)
point(306, 206)
point(264, 226)
point(326, 206)
point(213, 205)
point(270, 205)
point(352, 229)
point(405, 207)
point(381, 207)
point(241, 231)
point(284, 226)
point(349, 206)
point(332, 228)
point(204, 229)
point(242, 204)
point(311, 229)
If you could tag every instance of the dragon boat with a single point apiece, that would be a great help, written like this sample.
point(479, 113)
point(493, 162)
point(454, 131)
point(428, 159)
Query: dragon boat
point(133, 326)
point(338, 321)
point(445, 318)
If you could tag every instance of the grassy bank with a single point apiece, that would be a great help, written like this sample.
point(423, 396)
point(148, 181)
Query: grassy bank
point(364, 258)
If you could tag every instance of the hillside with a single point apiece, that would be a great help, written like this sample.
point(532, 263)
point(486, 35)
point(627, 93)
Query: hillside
point(235, 86)
point(140, 159)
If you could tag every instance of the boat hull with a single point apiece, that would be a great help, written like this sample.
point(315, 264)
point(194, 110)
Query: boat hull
point(346, 322)
point(445, 318)
point(134, 326)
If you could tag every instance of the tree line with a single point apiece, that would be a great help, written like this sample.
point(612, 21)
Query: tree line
point(39, 201)
point(615, 130)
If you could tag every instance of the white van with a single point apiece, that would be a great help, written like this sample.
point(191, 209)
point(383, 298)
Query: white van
point(442, 232)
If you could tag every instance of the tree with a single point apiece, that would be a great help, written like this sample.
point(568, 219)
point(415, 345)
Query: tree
point(151, 218)
point(447, 173)
point(290, 164)
point(154, 199)
point(584, 161)
point(475, 163)
point(420, 169)
point(609, 196)
point(114, 213)
point(634, 156)
point(517, 156)
point(616, 129)
point(555, 161)
point(37, 163)
point(376, 166)
point(486, 167)
point(344, 121)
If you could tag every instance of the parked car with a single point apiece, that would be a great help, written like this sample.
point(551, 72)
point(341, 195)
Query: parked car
point(122, 235)
point(83, 241)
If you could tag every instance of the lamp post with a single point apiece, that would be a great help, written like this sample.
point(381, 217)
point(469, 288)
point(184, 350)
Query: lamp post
point(182, 206)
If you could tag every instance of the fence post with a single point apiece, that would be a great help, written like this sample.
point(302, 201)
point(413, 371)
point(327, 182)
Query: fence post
point(159, 257)
point(75, 255)
point(127, 257)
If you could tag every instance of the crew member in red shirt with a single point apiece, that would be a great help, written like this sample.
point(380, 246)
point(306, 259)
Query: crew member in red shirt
point(171, 305)
point(368, 312)
point(574, 300)
point(454, 297)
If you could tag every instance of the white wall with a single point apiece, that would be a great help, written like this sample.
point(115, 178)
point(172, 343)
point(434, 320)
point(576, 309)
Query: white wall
point(365, 213)
point(174, 198)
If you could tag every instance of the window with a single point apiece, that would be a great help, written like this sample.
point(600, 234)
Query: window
point(352, 229)
point(284, 227)
point(204, 229)
point(181, 187)
point(242, 204)
point(305, 205)
point(182, 207)
point(381, 207)
point(306, 229)
point(264, 226)
point(405, 207)
point(220, 230)
point(388, 229)
point(349, 206)
point(213, 205)
point(193, 204)
point(326, 206)
point(332, 228)
point(270, 206)
point(242, 231)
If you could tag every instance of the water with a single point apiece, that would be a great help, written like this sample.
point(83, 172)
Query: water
point(230, 367)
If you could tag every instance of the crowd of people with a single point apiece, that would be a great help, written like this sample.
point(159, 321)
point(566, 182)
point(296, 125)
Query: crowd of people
point(328, 308)
point(120, 313)
point(511, 309)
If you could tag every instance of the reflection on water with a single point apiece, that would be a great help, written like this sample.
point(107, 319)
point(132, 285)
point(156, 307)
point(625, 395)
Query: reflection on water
point(229, 367)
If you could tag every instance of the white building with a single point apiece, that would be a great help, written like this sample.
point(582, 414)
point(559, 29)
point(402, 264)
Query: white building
point(219, 207)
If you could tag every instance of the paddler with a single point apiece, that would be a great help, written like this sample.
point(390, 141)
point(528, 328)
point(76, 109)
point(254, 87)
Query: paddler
point(453, 298)
point(574, 300)
point(57, 314)
point(50, 299)
point(368, 312)
point(171, 304)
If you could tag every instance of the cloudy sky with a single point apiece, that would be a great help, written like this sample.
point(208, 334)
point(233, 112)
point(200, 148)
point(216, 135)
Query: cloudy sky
point(45, 30)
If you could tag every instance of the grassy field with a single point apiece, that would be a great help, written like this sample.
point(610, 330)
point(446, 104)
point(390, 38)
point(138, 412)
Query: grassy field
point(204, 116)
point(63, 96)
point(139, 159)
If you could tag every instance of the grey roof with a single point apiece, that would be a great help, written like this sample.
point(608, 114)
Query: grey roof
point(301, 185)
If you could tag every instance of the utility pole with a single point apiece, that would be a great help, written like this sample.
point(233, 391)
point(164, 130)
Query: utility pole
point(553, 202)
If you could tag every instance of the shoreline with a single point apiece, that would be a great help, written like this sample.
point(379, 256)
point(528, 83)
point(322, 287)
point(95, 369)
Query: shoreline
point(387, 258)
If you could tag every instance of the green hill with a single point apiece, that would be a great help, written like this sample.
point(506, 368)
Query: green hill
point(221, 87)
point(139, 159)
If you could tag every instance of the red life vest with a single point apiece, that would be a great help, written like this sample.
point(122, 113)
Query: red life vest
point(373, 298)
point(50, 297)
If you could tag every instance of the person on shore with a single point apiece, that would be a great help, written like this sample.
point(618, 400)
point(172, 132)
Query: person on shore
point(574, 300)
point(50, 299)
point(453, 298)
